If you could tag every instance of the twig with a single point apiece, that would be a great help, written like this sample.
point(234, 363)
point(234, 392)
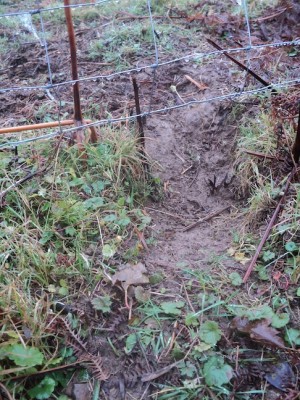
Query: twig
point(139, 118)
point(244, 67)
point(179, 156)
point(187, 169)
point(36, 173)
point(262, 155)
point(188, 299)
point(20, 181)
point(200, 86)
point(153, 375)
point(8, 395)
point(269, 227)
point(207, 218)
point(46, 371)
point(167, 213)
point(272, 15)
point(296, 147)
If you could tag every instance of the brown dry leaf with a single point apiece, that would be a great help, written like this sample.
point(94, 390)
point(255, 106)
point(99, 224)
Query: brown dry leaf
point(238, 255)
point(262, 332)
point(131, 275)
point(141, 294)
point(259, 330)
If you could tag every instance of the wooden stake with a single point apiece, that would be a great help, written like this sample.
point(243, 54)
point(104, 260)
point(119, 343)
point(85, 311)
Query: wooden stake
point(296, 147)
point(76, 93)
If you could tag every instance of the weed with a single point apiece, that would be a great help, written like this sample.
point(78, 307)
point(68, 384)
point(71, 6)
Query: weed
point(48, 228)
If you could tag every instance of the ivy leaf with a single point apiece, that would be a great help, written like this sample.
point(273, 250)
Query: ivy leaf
point(172, 308)
point(93, 203)
point(236, 279)
point(216, 372)
point(210, 332)
point(43, 390)
point(280, 320)
point(24, 356)
point(102, 303)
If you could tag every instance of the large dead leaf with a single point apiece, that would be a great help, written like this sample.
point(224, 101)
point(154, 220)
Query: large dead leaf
point(259, 330)
point(262, 332)
point(131, 275)
point(281, 376)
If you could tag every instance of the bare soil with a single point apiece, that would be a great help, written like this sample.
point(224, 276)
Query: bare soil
point(193, 149)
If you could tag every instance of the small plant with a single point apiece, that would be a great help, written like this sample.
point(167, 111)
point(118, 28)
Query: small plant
point(47, 230)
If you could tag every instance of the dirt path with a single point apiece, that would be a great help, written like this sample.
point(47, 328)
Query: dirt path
point(194, 148)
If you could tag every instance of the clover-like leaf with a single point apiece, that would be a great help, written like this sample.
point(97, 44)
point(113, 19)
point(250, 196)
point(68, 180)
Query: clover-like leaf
point(191, 320)
point(43, 390)
point(268, 255)
point(291, 247)
point(280, 320)
point(259, 313)
point(293, 336)
point(102, 303)
point(108, 251)
point(93, 203)
point(216, 372)
point(236, 279)
point(24, 356)
point(210, 332)
point(172, 307)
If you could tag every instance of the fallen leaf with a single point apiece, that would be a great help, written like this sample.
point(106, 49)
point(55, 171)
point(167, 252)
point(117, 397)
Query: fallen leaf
point(281, 376)
point(238, 255)
point(259, 331)
point(262, 332)
point(141, 294)
point(131, 275)
point(241, 258)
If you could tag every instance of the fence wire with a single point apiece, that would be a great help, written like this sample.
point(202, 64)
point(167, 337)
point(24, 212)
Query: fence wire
point(195, 56)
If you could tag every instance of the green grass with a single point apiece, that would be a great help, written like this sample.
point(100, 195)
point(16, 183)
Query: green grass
point(59, 232)
point(263, 181)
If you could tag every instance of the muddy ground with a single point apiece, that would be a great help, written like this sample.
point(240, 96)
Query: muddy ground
point(192, 148)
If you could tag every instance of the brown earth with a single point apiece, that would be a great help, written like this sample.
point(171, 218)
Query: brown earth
point(193, 149)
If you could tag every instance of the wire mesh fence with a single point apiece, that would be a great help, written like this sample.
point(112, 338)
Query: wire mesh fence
point(151, 68)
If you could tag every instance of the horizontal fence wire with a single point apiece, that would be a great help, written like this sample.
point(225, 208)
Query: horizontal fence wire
point(49, 9)
point(110, 121)
point(188, 57)
point(195, 56)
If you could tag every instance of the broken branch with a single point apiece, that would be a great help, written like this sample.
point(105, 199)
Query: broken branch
point(244, 67)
